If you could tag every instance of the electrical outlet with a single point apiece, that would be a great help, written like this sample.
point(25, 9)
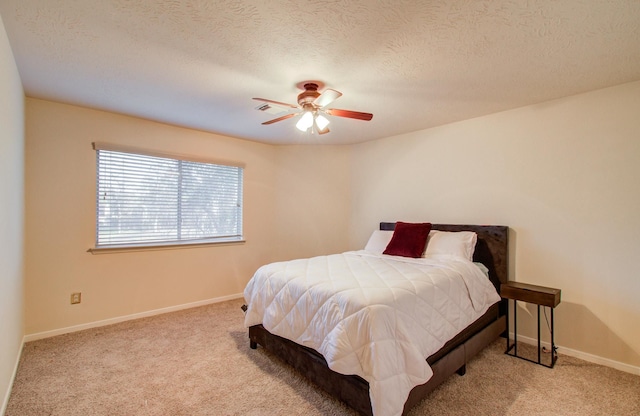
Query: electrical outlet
point(76, 297)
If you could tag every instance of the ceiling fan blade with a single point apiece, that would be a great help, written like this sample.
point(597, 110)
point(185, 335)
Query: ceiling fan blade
point(349, 114)
point(275, 120)
point(327, 97)
point(276, 102)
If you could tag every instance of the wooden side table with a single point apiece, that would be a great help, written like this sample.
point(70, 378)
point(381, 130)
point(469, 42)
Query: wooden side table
point(539, 295)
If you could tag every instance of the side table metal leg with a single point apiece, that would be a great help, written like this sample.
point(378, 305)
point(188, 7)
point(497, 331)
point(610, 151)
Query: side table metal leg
point(508, 336)
point(554, 356)
point(515, 327)
point(539, 347)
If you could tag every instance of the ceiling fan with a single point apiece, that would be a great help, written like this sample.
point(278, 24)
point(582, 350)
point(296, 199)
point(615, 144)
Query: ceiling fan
point(313, 105)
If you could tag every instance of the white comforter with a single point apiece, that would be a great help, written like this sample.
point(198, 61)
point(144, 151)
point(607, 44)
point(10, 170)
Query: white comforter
point(376, 316)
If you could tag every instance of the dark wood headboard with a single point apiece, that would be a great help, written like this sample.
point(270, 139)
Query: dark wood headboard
point(492, 248)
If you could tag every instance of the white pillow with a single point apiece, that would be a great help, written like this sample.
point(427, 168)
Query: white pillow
point(451, 244)
point(378, 241)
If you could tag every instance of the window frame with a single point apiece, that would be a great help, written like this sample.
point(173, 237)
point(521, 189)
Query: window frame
point(171, 244)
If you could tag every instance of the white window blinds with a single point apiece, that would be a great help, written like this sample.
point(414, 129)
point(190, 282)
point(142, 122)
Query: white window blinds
point(150, 200)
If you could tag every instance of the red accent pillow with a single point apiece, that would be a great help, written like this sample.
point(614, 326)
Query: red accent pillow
point(409, 239)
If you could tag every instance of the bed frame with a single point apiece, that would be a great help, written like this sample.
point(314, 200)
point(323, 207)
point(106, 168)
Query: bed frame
point(491, 250)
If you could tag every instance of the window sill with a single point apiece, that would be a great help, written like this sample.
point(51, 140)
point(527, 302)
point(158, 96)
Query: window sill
point(156, 247)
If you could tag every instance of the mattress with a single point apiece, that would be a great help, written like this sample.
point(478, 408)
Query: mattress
point(372, 315)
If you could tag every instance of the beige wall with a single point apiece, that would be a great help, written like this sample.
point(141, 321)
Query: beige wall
point(11, 215)
point(563, 175)
point(60, 218)
point(319, 222)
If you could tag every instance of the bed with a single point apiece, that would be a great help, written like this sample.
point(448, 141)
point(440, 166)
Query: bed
point(491, 249)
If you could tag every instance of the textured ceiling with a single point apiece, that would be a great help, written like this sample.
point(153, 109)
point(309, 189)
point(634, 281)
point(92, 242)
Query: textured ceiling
point(413, 64)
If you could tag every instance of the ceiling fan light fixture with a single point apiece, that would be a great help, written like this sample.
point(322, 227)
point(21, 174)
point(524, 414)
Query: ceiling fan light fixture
point(305, 121)
point(321, 122)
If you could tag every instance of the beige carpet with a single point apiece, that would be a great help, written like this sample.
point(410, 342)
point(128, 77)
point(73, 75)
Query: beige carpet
point(198, 362)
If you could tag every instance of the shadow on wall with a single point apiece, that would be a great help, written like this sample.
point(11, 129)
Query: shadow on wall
point(576, 326)
point(584, 328)
point(579, 329)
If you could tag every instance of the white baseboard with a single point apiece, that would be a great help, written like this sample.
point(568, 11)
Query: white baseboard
point(627, 368)
point(75, 328)
point(5, 402)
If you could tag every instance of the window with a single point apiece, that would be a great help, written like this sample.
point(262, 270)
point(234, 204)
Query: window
point(147, 199)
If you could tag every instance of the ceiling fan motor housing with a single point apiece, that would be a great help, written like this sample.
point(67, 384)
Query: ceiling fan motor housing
point(308, 96)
